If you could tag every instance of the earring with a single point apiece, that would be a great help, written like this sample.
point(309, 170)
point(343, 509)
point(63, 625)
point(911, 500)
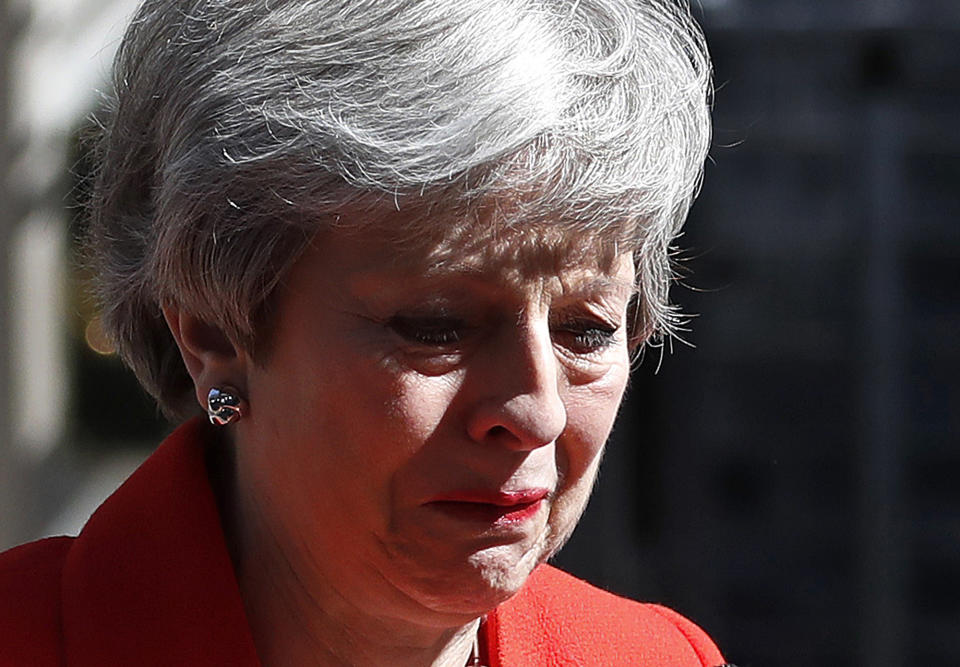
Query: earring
point(224, 405)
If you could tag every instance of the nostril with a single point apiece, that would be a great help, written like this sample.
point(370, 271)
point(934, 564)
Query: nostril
point(498, 431)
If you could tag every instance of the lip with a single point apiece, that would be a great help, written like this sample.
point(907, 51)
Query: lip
point(490, 507)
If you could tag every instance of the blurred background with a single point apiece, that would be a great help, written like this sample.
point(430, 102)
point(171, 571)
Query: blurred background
point(790, 478)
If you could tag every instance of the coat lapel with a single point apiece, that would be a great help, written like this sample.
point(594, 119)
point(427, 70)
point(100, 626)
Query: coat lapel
point(149, 580)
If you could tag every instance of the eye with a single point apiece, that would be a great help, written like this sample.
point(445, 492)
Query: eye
point(433, 331)
point(586, 336)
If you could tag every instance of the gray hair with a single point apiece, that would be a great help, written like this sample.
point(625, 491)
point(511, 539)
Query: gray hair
point(240, 128)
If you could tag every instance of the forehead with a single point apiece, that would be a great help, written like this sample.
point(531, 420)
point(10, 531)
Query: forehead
point(486, 246)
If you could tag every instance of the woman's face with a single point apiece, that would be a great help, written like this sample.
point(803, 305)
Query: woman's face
point(423, 433)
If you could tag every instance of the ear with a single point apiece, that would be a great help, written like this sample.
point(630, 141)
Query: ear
point(211, 358)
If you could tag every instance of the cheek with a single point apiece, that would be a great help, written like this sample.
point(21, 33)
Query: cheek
point(570, 503)
point(416, 405)
point(591, 411)
point(372, 429)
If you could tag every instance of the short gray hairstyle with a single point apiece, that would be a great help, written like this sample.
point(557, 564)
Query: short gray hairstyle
point(238, 129)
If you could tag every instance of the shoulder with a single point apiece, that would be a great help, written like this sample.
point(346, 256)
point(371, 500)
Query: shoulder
point(30, 584)
point(574, 622)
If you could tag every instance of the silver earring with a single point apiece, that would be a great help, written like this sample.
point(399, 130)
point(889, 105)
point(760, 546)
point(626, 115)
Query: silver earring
point(224, 405)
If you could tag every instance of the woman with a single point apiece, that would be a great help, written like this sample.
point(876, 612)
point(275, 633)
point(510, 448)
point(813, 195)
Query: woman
point(400, 253)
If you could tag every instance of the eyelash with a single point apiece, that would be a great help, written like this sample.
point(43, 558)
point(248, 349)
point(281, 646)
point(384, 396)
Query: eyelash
point(428, 331)
point(589, 336)
point(584, 336)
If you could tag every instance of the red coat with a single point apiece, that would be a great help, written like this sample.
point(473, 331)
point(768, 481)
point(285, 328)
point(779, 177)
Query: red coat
point(149, 582)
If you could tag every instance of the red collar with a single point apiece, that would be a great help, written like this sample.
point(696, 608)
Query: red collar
point(149, 580)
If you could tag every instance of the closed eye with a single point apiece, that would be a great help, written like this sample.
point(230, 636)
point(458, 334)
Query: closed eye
point(429, 331)
point(586, 336)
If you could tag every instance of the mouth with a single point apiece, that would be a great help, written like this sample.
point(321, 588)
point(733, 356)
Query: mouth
point(498, 509)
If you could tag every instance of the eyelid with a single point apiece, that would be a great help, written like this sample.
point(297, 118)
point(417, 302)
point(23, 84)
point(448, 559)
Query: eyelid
point(436, 330)
point(588, 335)
point(590, 316)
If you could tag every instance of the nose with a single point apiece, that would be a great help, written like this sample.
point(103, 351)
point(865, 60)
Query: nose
point(520, 401)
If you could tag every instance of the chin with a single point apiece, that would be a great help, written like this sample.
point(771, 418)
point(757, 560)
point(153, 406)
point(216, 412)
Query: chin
point(474, 587)
point(465, 583)
point(502, 572)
